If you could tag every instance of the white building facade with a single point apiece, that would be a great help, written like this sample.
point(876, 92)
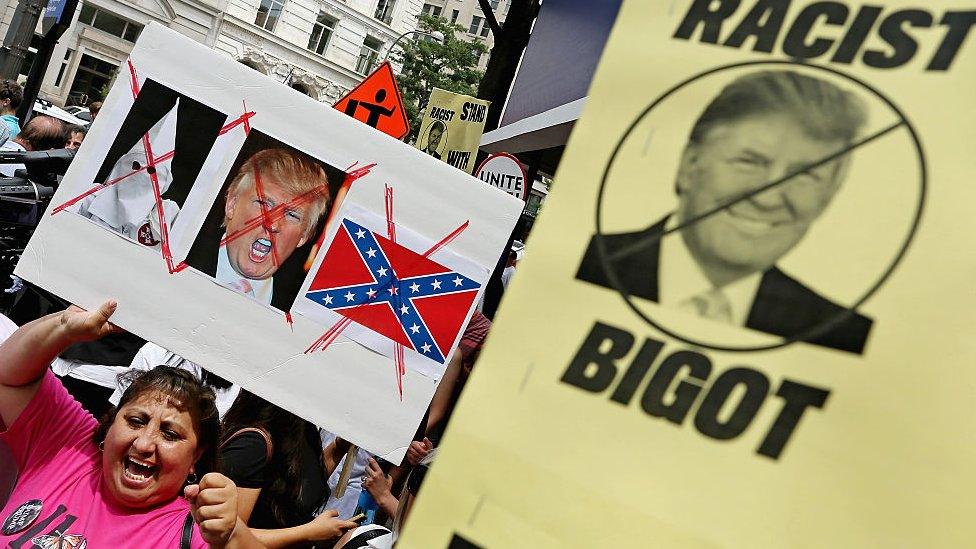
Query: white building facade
point(469, 15)
point(321, 47)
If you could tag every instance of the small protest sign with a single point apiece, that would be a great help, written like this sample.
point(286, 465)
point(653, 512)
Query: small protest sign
point(202, 192)
point(504, 171)
point(452, 127)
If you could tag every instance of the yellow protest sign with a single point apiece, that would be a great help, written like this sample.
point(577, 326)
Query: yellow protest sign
point(452, 127)
point(747, 317)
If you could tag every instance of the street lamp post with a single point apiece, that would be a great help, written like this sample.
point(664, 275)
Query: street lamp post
point(436, 35)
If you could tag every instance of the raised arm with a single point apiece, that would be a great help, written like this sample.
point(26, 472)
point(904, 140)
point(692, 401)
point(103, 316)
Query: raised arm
point(27, 353)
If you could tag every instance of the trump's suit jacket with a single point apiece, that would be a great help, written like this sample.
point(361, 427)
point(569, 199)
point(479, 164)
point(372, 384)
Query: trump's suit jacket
point(782, 306)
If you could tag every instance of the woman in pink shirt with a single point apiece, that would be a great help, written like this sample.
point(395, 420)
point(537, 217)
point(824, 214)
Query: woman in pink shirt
point(118, 483)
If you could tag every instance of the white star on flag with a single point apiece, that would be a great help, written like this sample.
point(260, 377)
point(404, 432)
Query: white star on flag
point(457, 281)
point(360, 234)
point(370, 293)
point(414, 329)
point(425, 347)
point(415, 287)
point(371, 252)
point(404, 310)
point(328, 299)
point(436, 284)
point(381, 271)
point(350, 296)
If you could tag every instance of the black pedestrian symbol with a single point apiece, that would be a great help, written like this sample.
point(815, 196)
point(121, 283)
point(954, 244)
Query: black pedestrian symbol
point(376, 110)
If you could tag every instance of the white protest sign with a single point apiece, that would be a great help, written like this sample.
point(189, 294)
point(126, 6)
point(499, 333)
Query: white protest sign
point(504, 171)
point(208, 225)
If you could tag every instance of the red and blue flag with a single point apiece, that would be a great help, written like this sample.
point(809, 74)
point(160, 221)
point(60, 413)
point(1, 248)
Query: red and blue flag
point(393, 291)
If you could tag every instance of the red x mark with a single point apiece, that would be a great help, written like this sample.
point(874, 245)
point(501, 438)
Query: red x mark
point(333, 332)
point(150, 167)
point(265, 218)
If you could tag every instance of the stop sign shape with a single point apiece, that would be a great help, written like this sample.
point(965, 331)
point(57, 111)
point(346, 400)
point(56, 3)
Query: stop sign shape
point(504, 171)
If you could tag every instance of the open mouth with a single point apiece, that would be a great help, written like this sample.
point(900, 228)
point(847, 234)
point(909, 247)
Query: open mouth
point(138, 472)
point(259, 250)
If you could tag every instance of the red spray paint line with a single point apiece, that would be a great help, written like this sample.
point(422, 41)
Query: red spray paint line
point(274, 214)
point(243, 119)
point(154, 178)
point(266, 221)
point(326, 339)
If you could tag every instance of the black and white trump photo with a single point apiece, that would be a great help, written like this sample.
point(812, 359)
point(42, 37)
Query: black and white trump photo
point(766, 156)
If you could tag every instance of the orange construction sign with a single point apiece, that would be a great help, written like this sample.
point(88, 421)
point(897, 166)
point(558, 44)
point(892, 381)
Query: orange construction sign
point(376, 101)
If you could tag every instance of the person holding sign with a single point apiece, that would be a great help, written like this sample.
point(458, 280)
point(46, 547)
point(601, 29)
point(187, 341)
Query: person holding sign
point(765, 128)
point(118, 482)
point(281, 471)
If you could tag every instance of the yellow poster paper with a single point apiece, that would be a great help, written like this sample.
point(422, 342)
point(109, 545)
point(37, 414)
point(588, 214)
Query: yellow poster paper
point(747, 317)
point(452, 127)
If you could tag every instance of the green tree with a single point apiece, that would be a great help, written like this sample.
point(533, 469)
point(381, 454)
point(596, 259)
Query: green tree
point(428, 64)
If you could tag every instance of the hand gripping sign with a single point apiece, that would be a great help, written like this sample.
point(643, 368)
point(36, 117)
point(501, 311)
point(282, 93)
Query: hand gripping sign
point(198, 199)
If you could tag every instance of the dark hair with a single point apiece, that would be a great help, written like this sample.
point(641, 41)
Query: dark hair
point(436, 124)
point(43, 133)
point(12, 91)
point(75, 128)
point(186, 394)
point(288, 433)
point(824, 110)
point(94, 107)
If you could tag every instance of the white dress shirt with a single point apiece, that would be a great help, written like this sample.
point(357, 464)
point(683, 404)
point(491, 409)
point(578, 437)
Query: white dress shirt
point(680, 279)
point(260, 290)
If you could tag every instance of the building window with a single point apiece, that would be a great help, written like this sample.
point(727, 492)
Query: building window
point(494, 4)
point(384, 11)
point(485, 29)
point(63, 68)
point(321, 33)
point(432, 10)
point(301, 88)
point(109, 22)
point(268, 14)
point(368, 55)
point(92, 78)
point(454, 16)
point(475, 25)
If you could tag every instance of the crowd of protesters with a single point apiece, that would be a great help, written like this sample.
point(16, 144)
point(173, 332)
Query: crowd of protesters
point(141, 447)
point(165, 462)
point(41, 133)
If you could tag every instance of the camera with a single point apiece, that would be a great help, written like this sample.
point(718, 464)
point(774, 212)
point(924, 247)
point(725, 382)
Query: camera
point(24, 198)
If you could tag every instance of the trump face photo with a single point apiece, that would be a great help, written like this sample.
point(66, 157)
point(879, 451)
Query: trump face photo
point(762, 162)
point(294, 191)
point(262, 228)
point(729, 157)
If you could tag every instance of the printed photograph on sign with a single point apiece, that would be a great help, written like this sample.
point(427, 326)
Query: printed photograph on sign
point(152, 163)
point(404, 292)
point(761, 157)
point(435, 139)
point(266, 220)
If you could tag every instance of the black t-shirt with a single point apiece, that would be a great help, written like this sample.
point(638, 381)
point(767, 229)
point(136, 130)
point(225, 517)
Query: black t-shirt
point(245, 462)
